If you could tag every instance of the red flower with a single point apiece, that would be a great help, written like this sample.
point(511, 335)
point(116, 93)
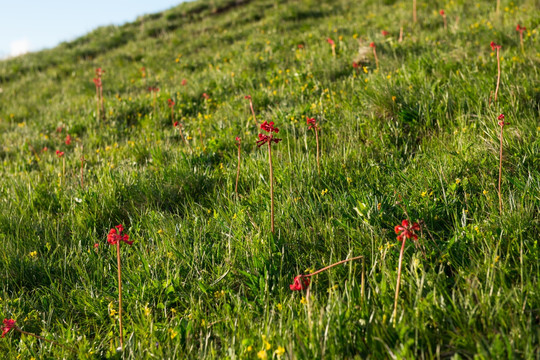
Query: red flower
point(153, 89)
point(175, 124)
point(406, 230)
point(355, 65)
point(442, 13)
point(44, 149)
point(494, 46)
point(59, 153)
point(312, 122)
point(8, 325)
point(99, 72)
point(170, 103)
point(205, 95)
point(385, 33)
point(330, 41)
point(97, 81)
point(300, 283)
point(269, 127)
point(184, 82)
point(238, 140)
point(300, 46)
point(263, 139)
point(68, 140)
point(115, 236)
point(372, 45)
point(96, 245)
point(248, 97)
point(501, 120)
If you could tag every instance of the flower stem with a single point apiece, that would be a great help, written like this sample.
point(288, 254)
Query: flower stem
point(317, 139)
point(97, 103)
point(82, 171)
point(271, 186)
point(183, 138)
point(42, 338)
point(102, 104)
point(394, 315)
point(500, 171)
point(376, 58)
point(252, 111)
point(120, 294)
point(498, 75)
point(237, 172)
point(334, 50)
point(414, 11)
point(336, 264)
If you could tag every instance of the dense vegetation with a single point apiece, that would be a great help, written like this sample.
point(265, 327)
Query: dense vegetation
point(205, 278)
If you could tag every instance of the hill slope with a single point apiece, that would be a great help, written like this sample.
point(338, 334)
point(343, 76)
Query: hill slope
point(416, 138)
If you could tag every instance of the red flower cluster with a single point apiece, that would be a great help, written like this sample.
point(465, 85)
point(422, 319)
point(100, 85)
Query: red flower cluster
point(238, 140)
point(59, 153)
point(115, 236)
point(8, 325)
point(248, 97)
point(99, 72)
point(300, 283)
point(176, 124)
point(268, 127)
point(372, 45)
point(520, 28)
point(443, 14)
point(355, 65)
point(385, 33)
point(184, 82)
point(330, 41)
point(68, 140)
point(97, 82)
point(312, 122)
point(494, 46)
point(205, 95)
point(406, 230)
point(170, 102)
point(501, 120)
point(153, 89)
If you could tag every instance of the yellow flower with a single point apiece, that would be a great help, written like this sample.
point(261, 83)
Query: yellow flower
point(262, 355)
point(33, 254)
point(249, 348)
point(485, 192)
point(279, 306)
point(147, 311)
point(325, 191)
point(279, 351)
point(365, 69)
point(160, 231)
point(172, 333)
point(424, 193)
point(458, 181)
point(303, 301)
point(393, 98)
point(349, 180)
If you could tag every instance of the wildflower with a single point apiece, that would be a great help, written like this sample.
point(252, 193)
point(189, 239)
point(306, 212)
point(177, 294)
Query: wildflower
point(300, 283)
point(205, 96)
point(406, 231)
point(68, 140)
point(501, 120)
point(443, 14)
point(279, 351)
point(372, 45)
point(171, 103)
point(96, 246)
point(262, 355)
point(59, 153)
point(184, 82)
point(498, 48)
point(312, 122)
point(176, 124)
point(115, 235)
point(494, 46)
point(8, 325)
point(33, 254)
point(300, 46)
point(333, 45)
point(385, 33)
point(330, 41)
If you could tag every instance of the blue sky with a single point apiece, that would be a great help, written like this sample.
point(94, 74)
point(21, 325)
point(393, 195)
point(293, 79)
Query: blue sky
point(37, 24)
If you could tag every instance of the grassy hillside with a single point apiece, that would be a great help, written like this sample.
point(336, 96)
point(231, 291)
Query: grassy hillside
point(416, 139)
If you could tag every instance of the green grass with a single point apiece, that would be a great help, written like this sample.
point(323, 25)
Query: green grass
point(205, 278)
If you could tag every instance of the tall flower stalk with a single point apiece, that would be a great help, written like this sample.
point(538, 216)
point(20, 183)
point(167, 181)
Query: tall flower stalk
point(498, 48)
point(374, 47)
point(176, 124)
point(269, 139)
point(521, 29)
point(60, 154)
point(10, 324)
point(171, 103)
point(115, 237)
point(154, 90)
point(301, 282)
point(333, 45)
point(248, 97)
point(443, 14)
point(239, 144)
point(502, 123)
point(312, 122)
point(404, 231)
point(100, 107)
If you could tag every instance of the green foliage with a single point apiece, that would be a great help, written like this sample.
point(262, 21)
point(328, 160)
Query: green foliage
point(205, 278)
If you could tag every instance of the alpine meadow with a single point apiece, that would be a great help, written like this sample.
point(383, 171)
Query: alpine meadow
point(276, 179)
